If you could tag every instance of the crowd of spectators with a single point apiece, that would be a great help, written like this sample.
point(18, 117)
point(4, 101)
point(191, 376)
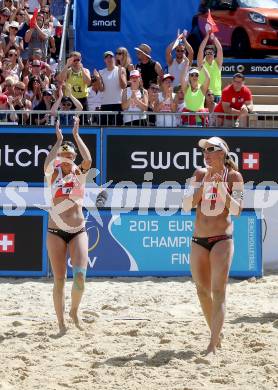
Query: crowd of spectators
point(182, 95)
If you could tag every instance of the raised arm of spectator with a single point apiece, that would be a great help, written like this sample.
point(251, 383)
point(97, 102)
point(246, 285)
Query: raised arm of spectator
point(43, 36)
point(169, 57)
point(56, 105)
point(200, 56)
point(189, 49)
point(62, 76)
point(205, 85)
point(219, 55)
point(13, 117)
point(28, 35)
point(122, 76)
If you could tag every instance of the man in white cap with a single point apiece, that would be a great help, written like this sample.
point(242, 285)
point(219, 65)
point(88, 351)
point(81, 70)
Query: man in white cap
point(12, 40)
point(150, 70)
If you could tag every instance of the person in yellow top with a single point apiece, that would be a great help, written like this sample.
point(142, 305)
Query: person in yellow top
point(77, 78)
point(213, 64)
point(194, 95)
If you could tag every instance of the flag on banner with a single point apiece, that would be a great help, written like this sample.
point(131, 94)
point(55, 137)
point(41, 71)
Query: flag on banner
point(34, 18)
point(211, 25)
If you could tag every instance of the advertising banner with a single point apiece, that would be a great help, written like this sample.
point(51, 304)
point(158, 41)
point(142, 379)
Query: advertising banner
point(102, 25)
point(155, 244)
point(267, 67)
point(23, 152)
point(173, 155)
point(22, 244)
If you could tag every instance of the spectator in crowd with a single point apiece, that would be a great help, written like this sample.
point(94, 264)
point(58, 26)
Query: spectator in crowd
point(66, 103)
point(123, 58)
point(135, 99)
point(8, 4)
point(236, 99)
point(16, 63)
point(210, 106)
point(175, 65)
point(8, 86)
point(95, 97)
point(20, 102)
point(38, 37)
point(211, 63)
point(44, 105)
point(194, 95)
point(151, 71)
point(152, 98)
point(36, 69)
point(78, 77)
point(5, 14)
point(23, 19)
point(166, 102)
point(12, 41)
point(44, 66)
point(180, 102)
point(34, 91)
point(6, 103)
point(7, 70)
point(112, 81)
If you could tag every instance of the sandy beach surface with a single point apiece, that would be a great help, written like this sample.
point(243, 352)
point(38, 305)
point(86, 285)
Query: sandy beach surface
point(139, 334)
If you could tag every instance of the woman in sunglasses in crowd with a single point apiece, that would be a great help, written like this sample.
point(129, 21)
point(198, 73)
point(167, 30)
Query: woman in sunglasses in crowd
point(16, 63)
point(66, 226)
point(123, 58)
point(66, 103)
point(217, 193)
point(194, 95)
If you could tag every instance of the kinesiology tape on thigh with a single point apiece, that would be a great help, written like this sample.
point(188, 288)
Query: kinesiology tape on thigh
point(75, 272)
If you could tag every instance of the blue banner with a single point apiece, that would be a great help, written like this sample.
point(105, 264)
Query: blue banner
point(101, 26)
point(139, 245)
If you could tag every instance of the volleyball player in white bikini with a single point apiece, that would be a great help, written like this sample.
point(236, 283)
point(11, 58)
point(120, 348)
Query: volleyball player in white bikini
point(66, 225)
point(217, 193)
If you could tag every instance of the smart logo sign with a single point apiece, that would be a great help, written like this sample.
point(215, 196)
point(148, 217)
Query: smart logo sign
point(104, 15)
point(256, 68)
point(174, 157)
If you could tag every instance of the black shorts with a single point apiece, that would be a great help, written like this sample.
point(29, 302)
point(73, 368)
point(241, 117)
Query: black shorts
point(67, 237)
point(209, 242)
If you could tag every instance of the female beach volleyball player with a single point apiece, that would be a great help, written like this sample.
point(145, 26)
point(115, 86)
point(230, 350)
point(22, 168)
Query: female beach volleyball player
point(66, 226)
point(217, 193)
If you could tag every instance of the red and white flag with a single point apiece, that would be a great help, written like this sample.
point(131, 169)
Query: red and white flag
point(251, 161)
point(211, 25)
point(7, 243)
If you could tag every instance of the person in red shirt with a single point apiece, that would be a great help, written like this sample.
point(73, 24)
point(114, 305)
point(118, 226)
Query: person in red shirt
point(236, 99)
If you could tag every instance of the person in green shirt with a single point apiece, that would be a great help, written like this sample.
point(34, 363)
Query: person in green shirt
point(212, 61)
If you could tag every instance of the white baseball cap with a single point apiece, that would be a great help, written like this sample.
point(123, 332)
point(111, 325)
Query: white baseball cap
point(216, 141)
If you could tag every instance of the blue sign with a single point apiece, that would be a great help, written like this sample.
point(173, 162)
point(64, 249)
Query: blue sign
point(138, 245)
point(137, 21)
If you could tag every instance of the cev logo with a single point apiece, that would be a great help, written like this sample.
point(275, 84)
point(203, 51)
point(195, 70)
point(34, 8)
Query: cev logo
point(110, 6)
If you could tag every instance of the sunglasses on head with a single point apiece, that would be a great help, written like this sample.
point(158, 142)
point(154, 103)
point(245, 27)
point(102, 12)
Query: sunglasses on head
point(211, 149)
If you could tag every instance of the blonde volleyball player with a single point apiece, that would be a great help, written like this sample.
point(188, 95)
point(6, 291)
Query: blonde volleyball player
point(66, 226)
point(217, 193)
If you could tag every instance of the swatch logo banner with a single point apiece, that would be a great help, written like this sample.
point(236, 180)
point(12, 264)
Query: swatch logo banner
point(104, 15)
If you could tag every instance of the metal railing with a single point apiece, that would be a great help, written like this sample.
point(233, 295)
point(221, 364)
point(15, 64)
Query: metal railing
point(62, 54)
point(139, 119)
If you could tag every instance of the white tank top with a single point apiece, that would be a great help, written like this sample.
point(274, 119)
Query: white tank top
point(165, 120)
point(133, 107)
point(112, 93)
point(175, 70)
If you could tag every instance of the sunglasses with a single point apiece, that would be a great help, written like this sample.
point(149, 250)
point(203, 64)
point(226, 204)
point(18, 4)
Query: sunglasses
point(180, 51)
point(210, 94)
point(209, 53)
point(194, 74)
point(12, 54)
point(76, 60)
point(67, 104)
point(36, 66)
point(14, 28)
point(211, 149)
point(119, 52)
point(20, 15)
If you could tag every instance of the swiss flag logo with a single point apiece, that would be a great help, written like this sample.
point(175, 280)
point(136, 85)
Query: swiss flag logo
point(7, 243)
point(251, 161)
